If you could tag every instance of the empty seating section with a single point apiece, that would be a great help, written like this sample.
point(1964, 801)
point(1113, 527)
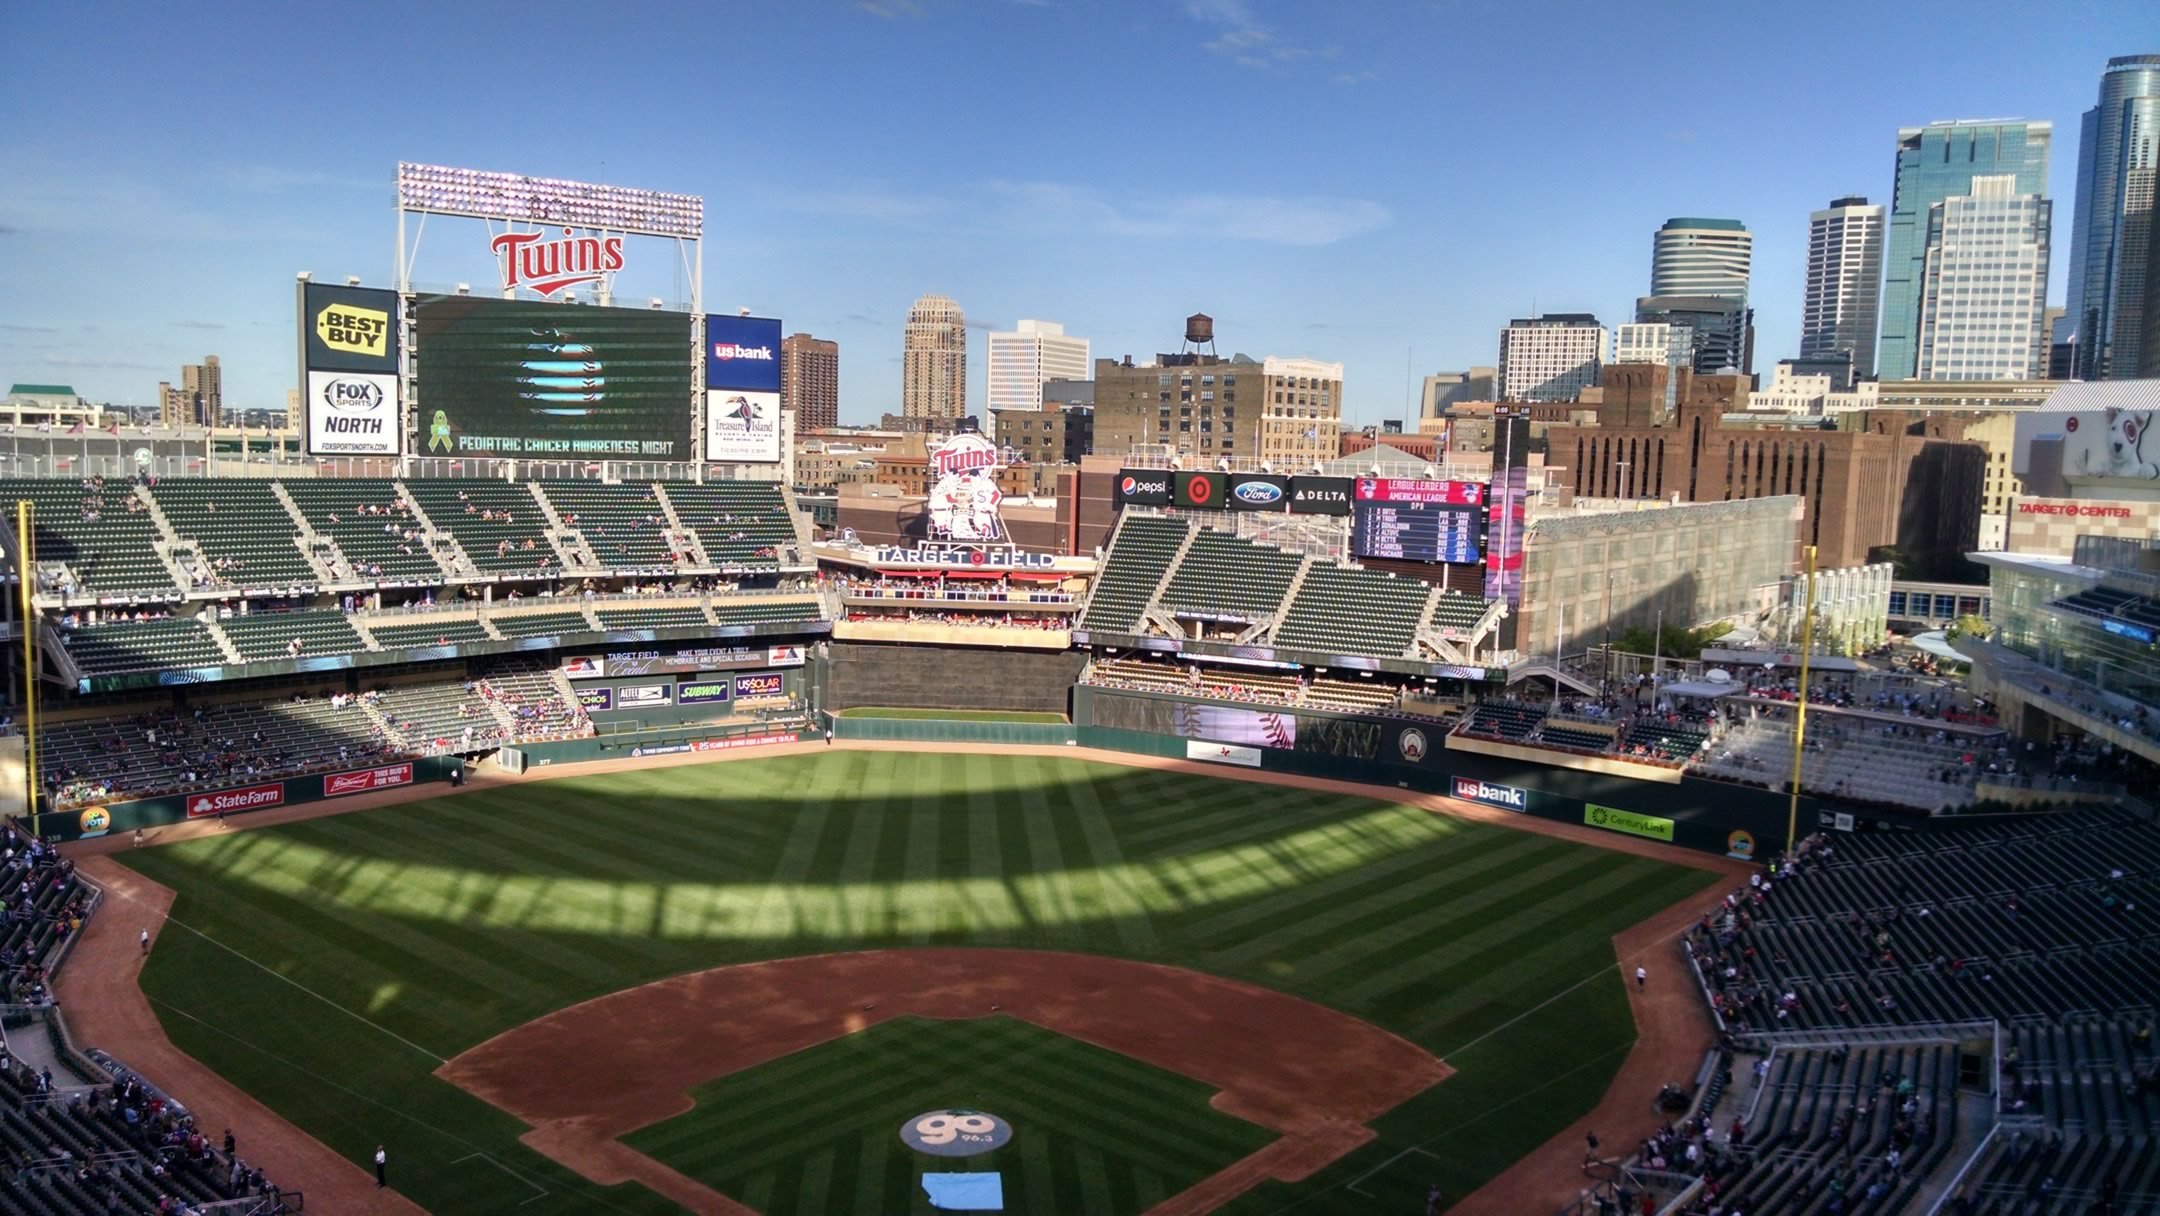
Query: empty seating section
point(213, 746)
point(741, 524)
point(240, 528)
point(650, 618)
point(1339, 610)
point(1663, 742)
point(270, 635)
point(1503, 720)
point(1454, 610)
point(1139, 673)
point(1142, 550)
point(2009, 920)
point(1350, 694)
point(99, 528)
point(429, 633)
point(1846, 758)
point(2108, 602)
point(625, 526)
point(540, 624)
point(1574, 736)
point(761, 611)
point(2071, 1172)
point(434, 717)
point(142, 646)
point(1228, 576)
point(498, 523)
point(369, 523)
point(528, 691)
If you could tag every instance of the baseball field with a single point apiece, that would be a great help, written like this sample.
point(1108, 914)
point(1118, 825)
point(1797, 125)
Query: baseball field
point(1236, 966)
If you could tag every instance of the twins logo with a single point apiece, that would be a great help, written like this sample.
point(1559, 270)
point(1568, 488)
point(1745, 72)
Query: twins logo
point(964, 501)
point(1412, 744)
point(545, 266)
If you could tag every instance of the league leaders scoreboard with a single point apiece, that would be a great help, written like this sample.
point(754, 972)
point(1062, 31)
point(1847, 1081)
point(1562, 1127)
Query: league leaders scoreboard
point(1417, 521)
point(528, 378)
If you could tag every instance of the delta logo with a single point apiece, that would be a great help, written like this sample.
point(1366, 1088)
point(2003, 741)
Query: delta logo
point(725, 351)
point(1258, 493)
point(532, 261)
point(253, 798)
point(354, 331)
point(1472, 790)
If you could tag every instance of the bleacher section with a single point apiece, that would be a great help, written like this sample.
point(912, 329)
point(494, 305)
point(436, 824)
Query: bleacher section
point(1846, 758)
point(1574, 736)
point(498, 523)
point(762, 612)
point(269, 635)
point(527, 690)
point(2108, 603)
point(741, 524)
point(1350, 694)
point(650, 618)
point(1142, 550)
point(142, 646)
point(434, 717)
point(540, 624)
point(430, 633)
point(1225, 576)
point(625, 525)
point(99, 529)
point(241, 529)
point(371, 541)
point(1454, 610)
point(1339, 610)
point(1662, 742)
point(1503, 720)
point(112, 759)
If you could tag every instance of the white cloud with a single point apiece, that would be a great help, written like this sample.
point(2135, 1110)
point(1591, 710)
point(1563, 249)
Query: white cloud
point(1266, 219)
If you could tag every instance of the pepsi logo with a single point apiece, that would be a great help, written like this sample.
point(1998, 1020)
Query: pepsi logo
point(2070, 423)
point(1258, 492)
point(1127, 485)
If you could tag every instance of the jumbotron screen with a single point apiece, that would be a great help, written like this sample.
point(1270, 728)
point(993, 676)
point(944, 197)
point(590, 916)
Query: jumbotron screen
point(1418, 521)
point(515, 378)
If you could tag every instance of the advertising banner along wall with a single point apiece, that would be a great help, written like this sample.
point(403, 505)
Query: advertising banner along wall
point(742, 389)
point(349, 370)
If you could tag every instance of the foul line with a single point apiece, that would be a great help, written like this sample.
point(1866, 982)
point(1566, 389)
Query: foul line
point(544, 1192)
point(267, 970)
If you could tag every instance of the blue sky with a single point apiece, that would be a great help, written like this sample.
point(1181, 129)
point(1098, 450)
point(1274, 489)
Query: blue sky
point(1381, 184)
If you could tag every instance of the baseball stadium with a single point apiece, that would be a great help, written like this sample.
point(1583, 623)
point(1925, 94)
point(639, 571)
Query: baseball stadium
point(509, 797)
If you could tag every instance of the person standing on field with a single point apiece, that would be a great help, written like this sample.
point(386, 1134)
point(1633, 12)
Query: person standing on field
point(382, 1159)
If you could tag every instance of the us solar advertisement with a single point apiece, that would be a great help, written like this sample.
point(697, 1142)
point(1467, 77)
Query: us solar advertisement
point(517, 378)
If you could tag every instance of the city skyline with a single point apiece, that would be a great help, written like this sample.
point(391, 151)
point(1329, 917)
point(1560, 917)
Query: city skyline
point(1361, 261)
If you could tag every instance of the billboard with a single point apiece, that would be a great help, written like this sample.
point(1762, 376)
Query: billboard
point(352, 414)
point(1200, 491)
point(1506, 522)
point(1401, 489)
point(596, 700)
point(348, 329)
point(518, 378)
point(742, 352)
point(1143, 487)
point(1222, 753)
point(760, 684)
point(643, 696)
point(700, 692)
point(742, 426)
point(1320, 495)
point(1418, 531)
point(247, 798)
point(964, 496)
point(1258, 492)
point(2110, 445)
point(337, 785)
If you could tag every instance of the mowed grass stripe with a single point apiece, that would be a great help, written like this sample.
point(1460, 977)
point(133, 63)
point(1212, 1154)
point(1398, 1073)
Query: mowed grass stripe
point(1129, 907)
point(775, 913)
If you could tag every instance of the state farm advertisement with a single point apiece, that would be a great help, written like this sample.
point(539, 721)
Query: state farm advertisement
point(228, 802)
point(360, 781)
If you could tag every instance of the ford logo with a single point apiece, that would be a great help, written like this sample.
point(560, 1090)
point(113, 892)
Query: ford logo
point(1258, 492)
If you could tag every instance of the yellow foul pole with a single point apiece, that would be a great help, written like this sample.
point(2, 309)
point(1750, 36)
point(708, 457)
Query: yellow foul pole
point(1799, 738)
point(26, 579)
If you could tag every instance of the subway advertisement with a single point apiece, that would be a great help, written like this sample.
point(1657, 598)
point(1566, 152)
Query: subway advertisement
point(525, 379)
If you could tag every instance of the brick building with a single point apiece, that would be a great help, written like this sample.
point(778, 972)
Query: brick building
point(1908, 487)
point(810, 381)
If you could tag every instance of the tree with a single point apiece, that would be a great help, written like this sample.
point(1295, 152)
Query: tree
point(1672, 642)
point(1971, 625)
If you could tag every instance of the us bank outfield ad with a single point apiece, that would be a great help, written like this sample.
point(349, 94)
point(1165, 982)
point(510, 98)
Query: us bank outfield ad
point(742, 389)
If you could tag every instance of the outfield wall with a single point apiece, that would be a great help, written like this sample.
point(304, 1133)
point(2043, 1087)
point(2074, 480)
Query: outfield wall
point(1712, 816)
point(635, 745)
point(873, 675)
point(239, 799)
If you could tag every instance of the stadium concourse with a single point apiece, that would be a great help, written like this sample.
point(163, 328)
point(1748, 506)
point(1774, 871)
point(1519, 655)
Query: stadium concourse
point(213, 646)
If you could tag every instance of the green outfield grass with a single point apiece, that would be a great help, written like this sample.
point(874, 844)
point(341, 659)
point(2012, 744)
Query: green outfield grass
point(818, 1131)
point(951, 715)
point(333, 964)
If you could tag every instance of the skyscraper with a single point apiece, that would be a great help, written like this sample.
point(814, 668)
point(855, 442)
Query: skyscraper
point(1550, 358)
point(1983, 292)
point(810, 380)
point(1844, 283)
point(1699, 257)
point(1659, 343)
point(1023, 360)
point(2111, 231)
point(1720, 329)
point(933, 361)
point(1935, 162)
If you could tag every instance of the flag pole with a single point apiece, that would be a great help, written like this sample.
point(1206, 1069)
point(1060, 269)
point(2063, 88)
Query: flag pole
point(1807, 646)
point(25, 579)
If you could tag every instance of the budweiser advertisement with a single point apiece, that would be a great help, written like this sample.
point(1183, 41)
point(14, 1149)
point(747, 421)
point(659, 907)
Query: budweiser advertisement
point(227, 802)
point(360, 781)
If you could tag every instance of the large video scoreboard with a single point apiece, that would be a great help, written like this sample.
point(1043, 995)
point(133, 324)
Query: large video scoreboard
point(515, 378)
point(1418, 521)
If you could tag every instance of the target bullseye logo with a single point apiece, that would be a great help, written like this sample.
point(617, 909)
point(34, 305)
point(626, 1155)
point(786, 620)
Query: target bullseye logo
point(955, 1133)
point(1200, 489)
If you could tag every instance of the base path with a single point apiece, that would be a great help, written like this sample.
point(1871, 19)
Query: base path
point(1311, 1074)
point(1674, 1028)
point(106, 1009)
